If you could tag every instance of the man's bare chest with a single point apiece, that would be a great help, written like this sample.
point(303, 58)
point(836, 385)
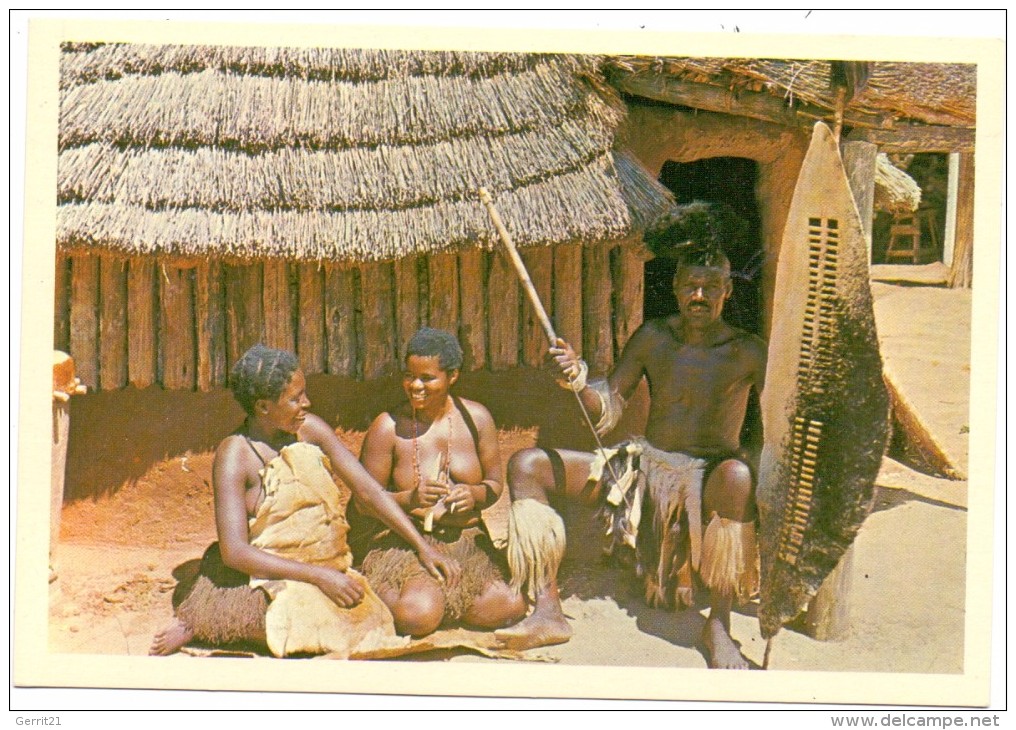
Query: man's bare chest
point(679, 371)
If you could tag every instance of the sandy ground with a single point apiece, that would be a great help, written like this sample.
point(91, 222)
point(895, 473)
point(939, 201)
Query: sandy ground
point(118, 550)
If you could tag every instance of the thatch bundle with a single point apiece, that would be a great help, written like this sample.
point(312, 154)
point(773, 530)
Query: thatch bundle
point(895, 190)
point(574, 206)
point(337, 154)
point(931, 93)
point(85, 63)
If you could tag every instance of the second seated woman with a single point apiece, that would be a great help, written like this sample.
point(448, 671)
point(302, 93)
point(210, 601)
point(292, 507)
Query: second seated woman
point(439, 456)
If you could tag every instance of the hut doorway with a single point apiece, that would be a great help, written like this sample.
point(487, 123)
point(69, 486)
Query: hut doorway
point(730, 181)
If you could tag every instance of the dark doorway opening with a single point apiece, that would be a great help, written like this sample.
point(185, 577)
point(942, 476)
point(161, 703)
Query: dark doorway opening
point(729, 181)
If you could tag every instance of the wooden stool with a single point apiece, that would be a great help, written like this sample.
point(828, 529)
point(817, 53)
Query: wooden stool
point(905, 237)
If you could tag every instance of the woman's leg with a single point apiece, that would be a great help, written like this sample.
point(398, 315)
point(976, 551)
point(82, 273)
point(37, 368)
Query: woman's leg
point(419, 608)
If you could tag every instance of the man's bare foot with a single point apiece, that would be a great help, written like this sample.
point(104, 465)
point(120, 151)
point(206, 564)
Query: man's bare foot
point(170, 639)
point(541, 628)
point(723, 652)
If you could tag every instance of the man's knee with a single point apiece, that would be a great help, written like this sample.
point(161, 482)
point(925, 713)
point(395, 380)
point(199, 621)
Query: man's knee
point(528, 471)
point(729, 491)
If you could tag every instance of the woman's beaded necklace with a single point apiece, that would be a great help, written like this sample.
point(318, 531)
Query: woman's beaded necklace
point(445, 467)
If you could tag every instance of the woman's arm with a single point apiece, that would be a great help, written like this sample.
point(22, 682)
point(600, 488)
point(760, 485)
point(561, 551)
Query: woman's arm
point(232, 470)
point(377, 455)
point(373, 497)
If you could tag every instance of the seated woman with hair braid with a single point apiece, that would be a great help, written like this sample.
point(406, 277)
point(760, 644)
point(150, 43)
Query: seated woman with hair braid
point(439, 455)
point(280, 573)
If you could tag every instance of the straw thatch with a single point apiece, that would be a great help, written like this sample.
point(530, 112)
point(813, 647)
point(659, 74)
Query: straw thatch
point(337, 154)
point(931, 93)
point(895, 190)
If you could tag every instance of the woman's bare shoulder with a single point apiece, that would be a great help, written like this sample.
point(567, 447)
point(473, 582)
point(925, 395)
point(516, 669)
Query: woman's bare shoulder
point(479, 412)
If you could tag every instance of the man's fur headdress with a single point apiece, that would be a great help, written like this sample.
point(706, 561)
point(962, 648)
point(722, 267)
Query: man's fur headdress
point(698, 233)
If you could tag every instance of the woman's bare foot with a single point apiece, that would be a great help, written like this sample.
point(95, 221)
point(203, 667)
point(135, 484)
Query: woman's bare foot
point(170, 639)
point(723, 652)
point(541, 628)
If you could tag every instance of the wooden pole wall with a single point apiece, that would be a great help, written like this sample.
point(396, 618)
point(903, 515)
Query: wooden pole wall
point(61, 304)
point(377, 304)
point(407, 302)
point(311, 337)
point(443, 290)
point(472, 309)
point(340, 320)
point(112, 323)
point(84, 317)
point(280, 330)
point(183, 325)
point(177, 327)
point(539, 262)
point(568, 294)
point(142, 288)
point(244, 308)
point(502, 313)
point(596, 309)
point(209, 313)
point(628, 263)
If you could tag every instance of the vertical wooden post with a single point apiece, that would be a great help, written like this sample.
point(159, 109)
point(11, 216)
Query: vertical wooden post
point(407, 302)
point(472, 309)
point(961, 273)
point(310, 324)
point(244, 309)
point(443, 302)
point(596, 297)
point(278, 309)
point(951, 199)
point(176, 328)
point(377, 302)
point(340, 320)
point(61, 303)
point(568, 294)
point(539, 261)
point(141, 321)
point(859, 162)
point(85, 317)
point(210, 324)
point(113, 323)
point(828, 614)
point(628, 262)
point(502, 313)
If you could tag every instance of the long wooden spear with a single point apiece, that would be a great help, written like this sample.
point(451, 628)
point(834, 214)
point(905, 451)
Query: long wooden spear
point(541, 313)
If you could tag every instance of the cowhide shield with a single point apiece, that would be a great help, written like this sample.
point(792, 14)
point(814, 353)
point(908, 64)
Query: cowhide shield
point(825, 407)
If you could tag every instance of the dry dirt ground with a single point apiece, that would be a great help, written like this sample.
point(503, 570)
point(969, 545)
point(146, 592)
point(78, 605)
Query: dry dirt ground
point(128, 525)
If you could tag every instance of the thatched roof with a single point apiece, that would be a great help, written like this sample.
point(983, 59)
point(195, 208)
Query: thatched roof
point(895, 190)
point(338, 154)
point(931, 93)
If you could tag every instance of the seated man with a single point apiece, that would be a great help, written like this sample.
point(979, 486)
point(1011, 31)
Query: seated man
point(438, 455)
point(700, 372)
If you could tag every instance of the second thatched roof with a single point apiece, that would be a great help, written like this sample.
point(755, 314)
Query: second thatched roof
point(927, 93)
point(336, 154)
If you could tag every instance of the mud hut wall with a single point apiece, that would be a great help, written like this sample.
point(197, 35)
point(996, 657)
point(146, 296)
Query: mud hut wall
point(657, 135)
point(182, 324)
